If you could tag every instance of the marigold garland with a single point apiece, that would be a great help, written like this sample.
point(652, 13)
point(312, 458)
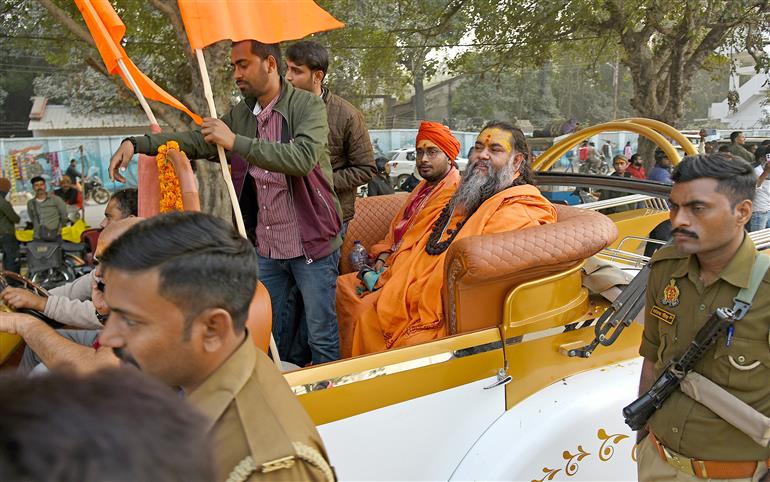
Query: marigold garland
point(170, 191)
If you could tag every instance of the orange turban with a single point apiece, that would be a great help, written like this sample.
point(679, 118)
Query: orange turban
point(441, 136)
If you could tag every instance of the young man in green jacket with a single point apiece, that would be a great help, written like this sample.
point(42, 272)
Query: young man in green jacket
point(276, 138)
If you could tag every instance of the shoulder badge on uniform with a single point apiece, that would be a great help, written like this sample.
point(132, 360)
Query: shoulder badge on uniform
point(671, 294)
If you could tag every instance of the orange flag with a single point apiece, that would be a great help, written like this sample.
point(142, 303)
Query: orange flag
point(268, 21)
point(107, 30)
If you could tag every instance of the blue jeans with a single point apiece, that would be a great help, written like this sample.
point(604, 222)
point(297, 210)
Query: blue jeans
point(317, 284)
point(759, 220)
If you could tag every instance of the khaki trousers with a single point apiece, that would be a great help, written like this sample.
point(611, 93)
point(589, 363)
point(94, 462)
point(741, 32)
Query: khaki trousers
point(652, 468)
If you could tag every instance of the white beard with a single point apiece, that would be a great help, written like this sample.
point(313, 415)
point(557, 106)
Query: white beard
point(477, 187)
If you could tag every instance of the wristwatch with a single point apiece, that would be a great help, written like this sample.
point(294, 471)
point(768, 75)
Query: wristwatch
point(102, 318)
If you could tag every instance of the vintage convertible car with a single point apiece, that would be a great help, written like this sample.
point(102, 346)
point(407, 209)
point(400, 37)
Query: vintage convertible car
point(495, 399)
point(501, 397)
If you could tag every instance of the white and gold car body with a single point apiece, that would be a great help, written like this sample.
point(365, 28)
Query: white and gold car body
point(447, 409)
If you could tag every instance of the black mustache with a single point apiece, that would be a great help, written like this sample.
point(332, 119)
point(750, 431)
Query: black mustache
point(125, 357)
point(684, 232)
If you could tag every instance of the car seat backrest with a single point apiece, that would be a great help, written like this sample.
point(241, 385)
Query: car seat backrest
point(370, 224)
point(480, 271)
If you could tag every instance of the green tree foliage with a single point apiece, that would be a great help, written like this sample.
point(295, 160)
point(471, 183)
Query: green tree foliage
point(662, 44)
point(578, 91)
point(392, 43)
point(155, 41)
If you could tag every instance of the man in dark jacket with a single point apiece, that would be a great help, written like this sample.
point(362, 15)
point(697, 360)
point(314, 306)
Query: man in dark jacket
point(277, 140)
point(380, 183)
point(350, 149)
point(8, 220)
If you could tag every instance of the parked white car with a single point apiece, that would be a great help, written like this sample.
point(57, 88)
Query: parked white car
point(402, 163)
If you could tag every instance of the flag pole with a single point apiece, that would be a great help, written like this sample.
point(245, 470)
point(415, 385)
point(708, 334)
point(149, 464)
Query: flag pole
point(228, 180)
point(220, 150)
point(142, 101)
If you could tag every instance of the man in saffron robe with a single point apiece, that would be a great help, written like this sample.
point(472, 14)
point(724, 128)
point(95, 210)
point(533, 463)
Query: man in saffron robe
point(436, 151)
point(495, 195)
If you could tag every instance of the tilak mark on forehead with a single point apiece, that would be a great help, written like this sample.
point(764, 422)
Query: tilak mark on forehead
point(495, 135)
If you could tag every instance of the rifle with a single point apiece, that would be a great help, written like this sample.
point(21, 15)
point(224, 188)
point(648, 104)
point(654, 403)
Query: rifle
point(618, 316)
point(638, 412)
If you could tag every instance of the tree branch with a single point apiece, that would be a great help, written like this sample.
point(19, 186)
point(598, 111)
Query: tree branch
point(70, 24)
point(431, 31)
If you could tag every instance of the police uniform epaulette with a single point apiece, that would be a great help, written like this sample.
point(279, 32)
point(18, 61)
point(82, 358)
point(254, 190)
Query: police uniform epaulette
point(304, 452)
point(270, 445)
point(667, 252)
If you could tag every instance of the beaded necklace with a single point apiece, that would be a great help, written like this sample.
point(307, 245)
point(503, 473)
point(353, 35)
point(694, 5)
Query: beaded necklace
point(435, 246)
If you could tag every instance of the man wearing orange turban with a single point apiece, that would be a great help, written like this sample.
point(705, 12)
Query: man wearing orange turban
point(433, 134)
point(436, 151)
point(495, 195)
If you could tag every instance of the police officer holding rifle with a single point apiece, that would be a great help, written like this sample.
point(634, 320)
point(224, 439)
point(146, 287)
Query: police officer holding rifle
point(705, 386)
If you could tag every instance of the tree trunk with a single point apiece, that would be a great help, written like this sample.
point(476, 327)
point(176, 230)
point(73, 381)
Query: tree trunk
point(646, 150)
point(419, 87)
point(657, 97)
point(212, 190)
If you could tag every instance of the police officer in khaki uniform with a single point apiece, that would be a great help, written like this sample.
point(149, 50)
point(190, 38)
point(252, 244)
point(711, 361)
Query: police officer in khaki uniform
point(179, 288)
point(710, 261)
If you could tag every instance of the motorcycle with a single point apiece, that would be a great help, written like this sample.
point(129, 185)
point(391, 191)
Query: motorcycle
point(93, 188)
point(54, 263)
point(599, 167)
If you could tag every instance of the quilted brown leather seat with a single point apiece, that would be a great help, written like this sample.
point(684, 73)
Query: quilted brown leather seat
point(370, 224)
point(481, 270)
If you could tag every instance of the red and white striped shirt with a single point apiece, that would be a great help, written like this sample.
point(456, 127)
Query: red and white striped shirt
point(277, 231)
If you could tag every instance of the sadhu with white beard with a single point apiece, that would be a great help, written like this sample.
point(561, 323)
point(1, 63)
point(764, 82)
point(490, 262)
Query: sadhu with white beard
point(495, 195)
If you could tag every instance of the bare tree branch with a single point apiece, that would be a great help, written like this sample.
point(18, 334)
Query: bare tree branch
point(74, 27)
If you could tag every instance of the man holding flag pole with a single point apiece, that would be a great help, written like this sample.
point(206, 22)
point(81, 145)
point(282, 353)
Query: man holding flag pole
point(296, 220)
point(276, 138)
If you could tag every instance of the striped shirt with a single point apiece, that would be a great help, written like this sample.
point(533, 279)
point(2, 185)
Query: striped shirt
point(277, 231)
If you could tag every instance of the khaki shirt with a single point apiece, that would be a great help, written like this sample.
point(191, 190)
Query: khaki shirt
point(254, 412)
point(675, 293)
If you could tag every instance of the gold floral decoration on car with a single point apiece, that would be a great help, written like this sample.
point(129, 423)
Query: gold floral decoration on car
point(605, 453)
point(607, 450)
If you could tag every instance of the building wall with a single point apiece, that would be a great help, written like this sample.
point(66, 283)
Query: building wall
point(96, 154)
point(752, 94)
point(392, 139)
point(438, 101)
point(90, 132)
